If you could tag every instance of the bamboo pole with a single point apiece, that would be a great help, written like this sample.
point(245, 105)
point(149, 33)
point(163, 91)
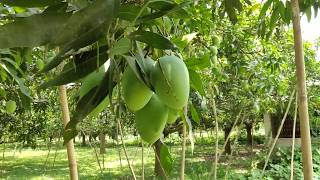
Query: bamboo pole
point(293, 136)
point(142, 161)
point(302, 94)
point(184, 139)
point(215, 165)
point(278, 134)
point(65, 119)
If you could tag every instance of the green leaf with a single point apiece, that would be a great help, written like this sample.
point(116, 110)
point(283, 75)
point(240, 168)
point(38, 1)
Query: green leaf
point(30, 3)
point(264, 8)
point(176, 8)
point(24, 89)
point(102, 106)
point(129, 12)
point(288, 13)
point(92, 80)
point(90, 101)
point(152, 39)
point(274, 17)
point(194, 114)
point(166, 159)
point(32, 31)
point(230, 7)
point(87, 19)
point(199, 63)
point(308, 13)
point(84, 28)
point(282, 10)
point(196, 82)
point(79, 71)
point(122, 46)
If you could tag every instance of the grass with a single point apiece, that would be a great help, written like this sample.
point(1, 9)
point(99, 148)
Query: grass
point(26, 163)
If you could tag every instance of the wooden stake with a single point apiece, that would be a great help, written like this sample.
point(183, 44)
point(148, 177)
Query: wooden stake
point(293, 136)
point(278, 134)
point(65, 120)
point(183, 151)
point(302, 93)
point(142, 161)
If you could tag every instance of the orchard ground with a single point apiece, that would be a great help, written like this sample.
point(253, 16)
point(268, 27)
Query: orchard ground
point(26, 163)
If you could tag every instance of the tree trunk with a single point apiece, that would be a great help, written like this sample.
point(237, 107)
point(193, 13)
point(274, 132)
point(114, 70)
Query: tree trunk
point(83, 139)
point(65, 120)
point(302, 93)
point(157, 166)
point(249, 134)
point(227, 149)
point(102, 138)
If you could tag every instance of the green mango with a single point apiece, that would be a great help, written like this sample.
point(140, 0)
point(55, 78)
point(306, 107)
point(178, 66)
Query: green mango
point(214, 50)
point(216, 40)
point(11, 106)
point(170, 80)
point(172, 116)
point(151, 120)
point(135, 93)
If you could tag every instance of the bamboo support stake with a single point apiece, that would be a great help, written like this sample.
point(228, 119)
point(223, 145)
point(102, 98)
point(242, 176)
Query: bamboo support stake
point(302, 94)
point(293, 136)
point(278, 133)
point(215, 165)
point(183, 151)
point(142, 161)
point(65, 119)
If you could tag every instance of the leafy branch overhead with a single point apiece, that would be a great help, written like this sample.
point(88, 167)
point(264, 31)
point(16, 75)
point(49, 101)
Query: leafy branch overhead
point(277, 12)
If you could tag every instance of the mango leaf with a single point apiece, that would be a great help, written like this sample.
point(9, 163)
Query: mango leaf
point(121, 47)
point(194, 114)
point(128, 12)
point(152, 39)
point(24, 89)
point(86, 19)
point(165, 10)
point(91, 100)
point(288, 13)
point(230, 7)
point(79, 71)
point(196, 82)
point(30, 3)
point(264, 9)
point(93, 79)
point(102, 106)
point(308, 13)
point(166, 159)
point(84, 28)
point(32, 31)
point(199, 63)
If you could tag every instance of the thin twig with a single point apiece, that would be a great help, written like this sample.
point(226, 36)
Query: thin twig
point(229, 135)
point(278, 133)
point(55, 153)
point(125, 150)
point(96, 153)
point(293, 136)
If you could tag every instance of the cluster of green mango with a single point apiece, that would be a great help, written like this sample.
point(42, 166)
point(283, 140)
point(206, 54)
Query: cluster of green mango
point(169, 78)
point(214, 47)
